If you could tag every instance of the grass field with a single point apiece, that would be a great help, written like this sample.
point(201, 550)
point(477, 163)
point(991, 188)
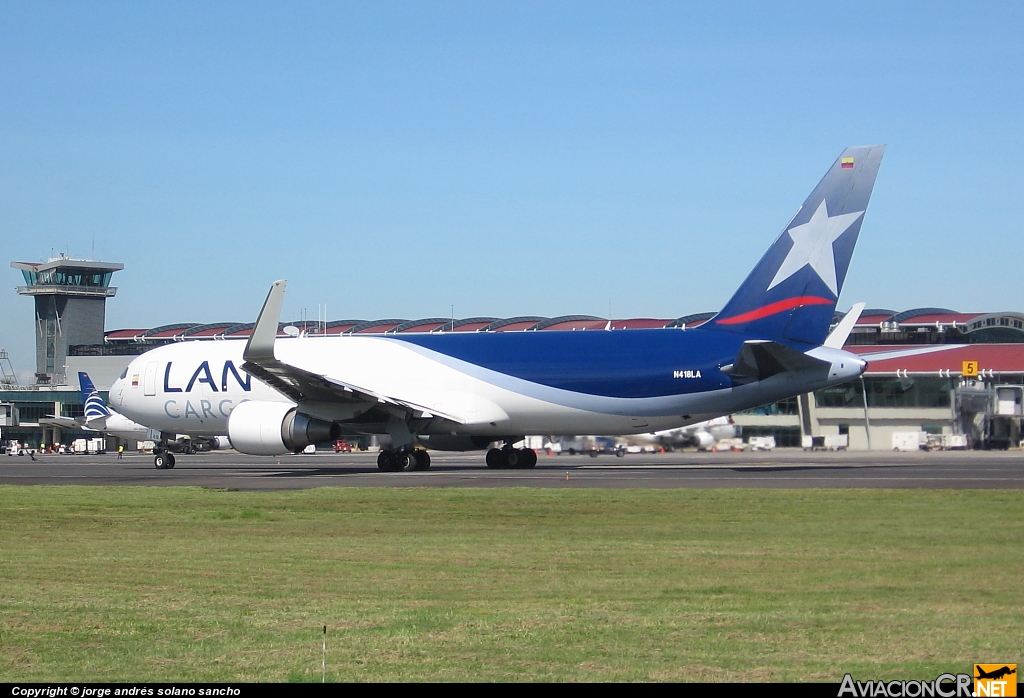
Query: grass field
point(161, 584)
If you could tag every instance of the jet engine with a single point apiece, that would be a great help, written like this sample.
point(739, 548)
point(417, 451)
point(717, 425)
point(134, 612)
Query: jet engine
point(703, 439)
point(274, 428)
point(220, 442)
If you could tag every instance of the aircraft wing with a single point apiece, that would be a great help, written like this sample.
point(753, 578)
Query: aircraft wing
point(62, 422)
point(97, 423)
point(299, 384)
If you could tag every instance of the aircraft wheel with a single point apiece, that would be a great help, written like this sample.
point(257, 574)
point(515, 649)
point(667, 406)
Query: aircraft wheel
point(407, 461)
point(387, 461)
point(529, 458)
point(512, 458)
point(169, 460)
point(158, 461)
point(422, 460)
point(494, 459)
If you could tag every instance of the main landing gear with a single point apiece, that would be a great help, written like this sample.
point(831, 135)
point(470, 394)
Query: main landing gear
point(518, 458)
point(391, 461)
point(163, 461)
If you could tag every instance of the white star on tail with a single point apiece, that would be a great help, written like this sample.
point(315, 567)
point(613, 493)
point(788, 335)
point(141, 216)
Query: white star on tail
point(812, 244)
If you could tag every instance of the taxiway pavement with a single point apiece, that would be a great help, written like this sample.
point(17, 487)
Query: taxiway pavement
point(789, 468)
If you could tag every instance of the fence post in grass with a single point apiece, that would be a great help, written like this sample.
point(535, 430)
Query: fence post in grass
point(323, 659)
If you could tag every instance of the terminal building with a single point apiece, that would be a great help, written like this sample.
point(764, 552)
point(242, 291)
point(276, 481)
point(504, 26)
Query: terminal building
point(931, 370)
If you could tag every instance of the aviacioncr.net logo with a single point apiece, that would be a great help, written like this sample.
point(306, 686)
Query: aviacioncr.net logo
point(944, 686)
point(995, 680)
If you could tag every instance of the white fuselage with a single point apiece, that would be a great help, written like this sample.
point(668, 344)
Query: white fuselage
point(118, 425)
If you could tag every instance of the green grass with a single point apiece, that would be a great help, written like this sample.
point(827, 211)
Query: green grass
point(162, 584)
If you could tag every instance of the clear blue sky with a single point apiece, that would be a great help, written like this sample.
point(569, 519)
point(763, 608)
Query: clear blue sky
point(395, 159)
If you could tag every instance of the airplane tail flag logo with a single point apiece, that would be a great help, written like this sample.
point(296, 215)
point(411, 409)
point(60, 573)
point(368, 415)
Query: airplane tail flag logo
point(792, 292)
point(995, 680)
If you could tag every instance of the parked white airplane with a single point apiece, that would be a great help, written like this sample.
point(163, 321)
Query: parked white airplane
point(97, 416)
point(461, 391)
point(703, 435)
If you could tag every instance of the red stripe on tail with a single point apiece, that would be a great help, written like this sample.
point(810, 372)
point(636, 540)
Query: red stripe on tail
point(773, 308)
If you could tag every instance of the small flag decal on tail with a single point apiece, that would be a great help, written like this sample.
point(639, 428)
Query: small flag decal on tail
point(846, 163)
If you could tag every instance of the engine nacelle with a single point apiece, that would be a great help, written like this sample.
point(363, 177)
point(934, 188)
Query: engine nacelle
point(447, 442)
point(704, 440)
point(275, 428)
point(220, 442)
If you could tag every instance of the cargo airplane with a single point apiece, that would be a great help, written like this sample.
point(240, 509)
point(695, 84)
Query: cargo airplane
point(465, 391)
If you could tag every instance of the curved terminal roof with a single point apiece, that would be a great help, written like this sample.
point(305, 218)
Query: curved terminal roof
point(165, 331)
point(122, 335)
point(640, 323)
point(942, 360)
point(342, 326)
point(211, 330)
point(1010, 324)
point(243, 329)
point(472, 324)
point(693, 320)
point(375, 326)
point(572, 322)
point(522, 322)
point(424, 325)
point(919, 312)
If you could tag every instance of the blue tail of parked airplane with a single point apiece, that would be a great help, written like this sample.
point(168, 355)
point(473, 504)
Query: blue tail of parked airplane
point(791, 294)
point(94, 404)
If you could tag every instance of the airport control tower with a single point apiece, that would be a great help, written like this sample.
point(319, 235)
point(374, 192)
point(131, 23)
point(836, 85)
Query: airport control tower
point(71, 297)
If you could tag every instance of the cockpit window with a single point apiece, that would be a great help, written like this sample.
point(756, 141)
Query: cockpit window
point(124, 373)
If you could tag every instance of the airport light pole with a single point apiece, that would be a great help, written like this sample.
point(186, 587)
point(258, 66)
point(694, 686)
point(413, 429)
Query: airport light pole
point(867, 422)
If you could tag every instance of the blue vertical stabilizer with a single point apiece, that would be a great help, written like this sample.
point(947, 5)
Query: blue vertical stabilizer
point(94, 405)
point(791, 294)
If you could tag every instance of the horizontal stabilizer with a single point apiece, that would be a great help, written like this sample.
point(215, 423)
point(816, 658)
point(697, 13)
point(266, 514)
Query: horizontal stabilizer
point(62, 422)
point(760, 359)
point(841, 333)
point(97, 423)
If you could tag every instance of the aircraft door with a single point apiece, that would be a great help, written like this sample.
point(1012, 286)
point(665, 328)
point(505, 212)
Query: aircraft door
point(149, 384)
